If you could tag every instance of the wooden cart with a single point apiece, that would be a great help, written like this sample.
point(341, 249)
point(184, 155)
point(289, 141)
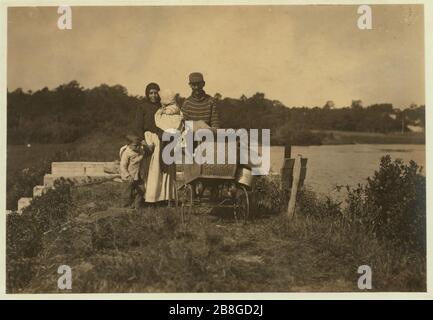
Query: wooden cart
point(228, 186)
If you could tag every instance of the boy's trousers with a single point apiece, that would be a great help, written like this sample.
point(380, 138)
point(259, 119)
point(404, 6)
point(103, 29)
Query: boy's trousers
point(132, 193)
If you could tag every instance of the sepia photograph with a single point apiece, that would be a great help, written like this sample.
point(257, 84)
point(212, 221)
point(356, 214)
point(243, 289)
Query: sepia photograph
point(215, 149)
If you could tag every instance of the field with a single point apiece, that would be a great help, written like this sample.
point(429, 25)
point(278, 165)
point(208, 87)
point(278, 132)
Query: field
point(95, 147)
point(21, 156)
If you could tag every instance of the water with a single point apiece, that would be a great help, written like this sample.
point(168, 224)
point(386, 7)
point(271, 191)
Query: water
point(332, 165)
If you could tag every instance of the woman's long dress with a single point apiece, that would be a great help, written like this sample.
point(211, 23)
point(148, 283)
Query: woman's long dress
point(159, 185)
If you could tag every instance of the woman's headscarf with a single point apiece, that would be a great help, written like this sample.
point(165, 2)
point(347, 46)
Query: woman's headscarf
point(151, 86)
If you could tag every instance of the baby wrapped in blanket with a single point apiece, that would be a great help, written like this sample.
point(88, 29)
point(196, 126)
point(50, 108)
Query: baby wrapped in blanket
point(169, 117)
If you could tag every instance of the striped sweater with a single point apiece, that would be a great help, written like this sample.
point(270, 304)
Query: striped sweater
point(201, 109)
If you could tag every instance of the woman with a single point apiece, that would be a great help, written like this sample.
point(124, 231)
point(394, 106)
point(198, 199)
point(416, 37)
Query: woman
point(159, 177)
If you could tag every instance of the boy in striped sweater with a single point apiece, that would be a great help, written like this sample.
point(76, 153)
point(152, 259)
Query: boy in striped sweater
point(199, 105)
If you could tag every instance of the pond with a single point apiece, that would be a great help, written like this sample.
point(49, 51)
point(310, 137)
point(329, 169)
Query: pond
point(332, 165)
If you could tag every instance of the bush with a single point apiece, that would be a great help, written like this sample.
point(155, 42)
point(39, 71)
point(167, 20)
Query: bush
point(25, 232)
point(269, 199)
point(382, 225)
point(392, 203)
point(21, 183)
point(391, 206)
point(309, 205)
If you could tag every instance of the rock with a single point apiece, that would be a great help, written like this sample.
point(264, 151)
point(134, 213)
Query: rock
point(249, 258)
point(23, 203)
point(39, 190)
point(80, 168)
point(83, 268)
point(49, 179)
point(113, 168)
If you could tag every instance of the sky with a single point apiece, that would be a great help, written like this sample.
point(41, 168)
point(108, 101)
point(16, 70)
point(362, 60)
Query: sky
point(299, 55)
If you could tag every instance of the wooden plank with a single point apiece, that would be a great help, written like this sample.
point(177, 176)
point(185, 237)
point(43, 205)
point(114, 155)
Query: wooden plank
point(295, 184)
point(304, 162)
point(288, 163)
point(287, 150)
point(287, 173)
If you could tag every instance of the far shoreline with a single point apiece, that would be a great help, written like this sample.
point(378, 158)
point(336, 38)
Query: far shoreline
point(327, 137)
point(335, 137)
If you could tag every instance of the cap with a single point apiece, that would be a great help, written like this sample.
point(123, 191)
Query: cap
point(196, 77)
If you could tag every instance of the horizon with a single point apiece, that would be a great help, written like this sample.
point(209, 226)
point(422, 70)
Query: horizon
point(298, 55)
point(223, 97)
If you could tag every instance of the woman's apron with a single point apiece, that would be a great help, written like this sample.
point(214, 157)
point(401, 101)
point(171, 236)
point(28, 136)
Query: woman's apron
point(159, 186)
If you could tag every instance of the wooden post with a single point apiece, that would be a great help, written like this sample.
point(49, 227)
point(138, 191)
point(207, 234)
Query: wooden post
point(295, 184)
point(287, 151)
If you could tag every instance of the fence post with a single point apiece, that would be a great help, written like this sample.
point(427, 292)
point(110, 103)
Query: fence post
point(295, 184)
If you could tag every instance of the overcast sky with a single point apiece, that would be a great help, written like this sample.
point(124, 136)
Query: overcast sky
point(300, 55)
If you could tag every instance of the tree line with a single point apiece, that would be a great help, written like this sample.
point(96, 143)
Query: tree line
point(70, 112)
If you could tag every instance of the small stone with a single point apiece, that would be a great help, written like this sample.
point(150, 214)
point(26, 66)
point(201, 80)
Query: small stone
point(249, 258)
point(39, 190)
point(90, 205)
point(23, 203)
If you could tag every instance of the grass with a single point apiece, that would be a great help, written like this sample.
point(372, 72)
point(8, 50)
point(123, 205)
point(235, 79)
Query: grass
point(152, 251)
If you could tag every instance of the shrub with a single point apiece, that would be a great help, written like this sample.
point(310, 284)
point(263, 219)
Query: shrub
point(269, 199)
point(390, 206)
point(25, 232)
point(393, 203)
point(21, 183)
point(309, 205)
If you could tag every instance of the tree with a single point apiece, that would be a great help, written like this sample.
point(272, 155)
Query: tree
point(329, 105)
point(381, 107)
point(258, 96)
point(356, 104)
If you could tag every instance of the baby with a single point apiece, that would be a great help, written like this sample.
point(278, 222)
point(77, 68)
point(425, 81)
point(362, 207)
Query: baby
point(169, 117)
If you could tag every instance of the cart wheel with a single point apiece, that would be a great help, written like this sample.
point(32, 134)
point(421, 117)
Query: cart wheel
point(242, 205)
point(186, 201)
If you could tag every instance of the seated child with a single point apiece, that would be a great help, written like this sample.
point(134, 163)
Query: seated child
point(131, 156)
